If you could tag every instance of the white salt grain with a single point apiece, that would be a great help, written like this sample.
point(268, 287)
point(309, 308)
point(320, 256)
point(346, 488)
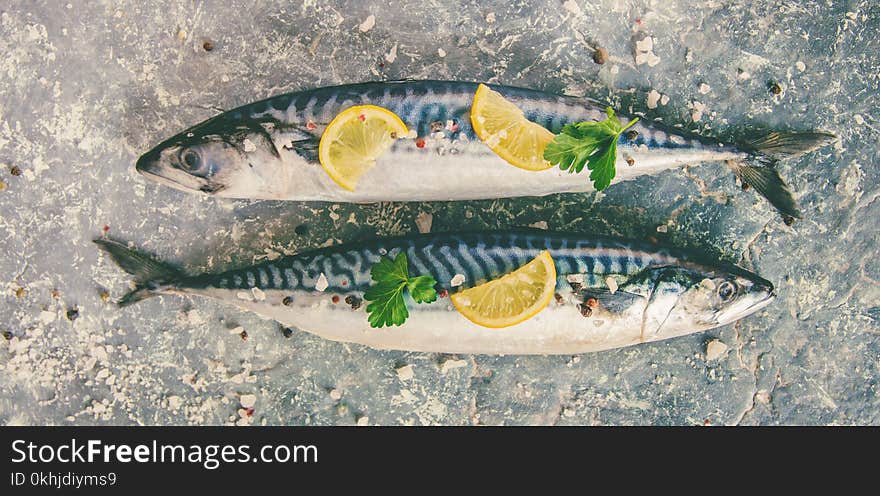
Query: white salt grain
point(451, 364)
point(47, 317)
point(697, 110)
point(541, 224)
point(424, 221)
point(322, 283)
point(612, 284)
point(405, 373)
point(391, 56)
point(368, 24)
point(572, 6)
point(653, 98)
point(644, 52)
point(247, 400)
point(715, 349)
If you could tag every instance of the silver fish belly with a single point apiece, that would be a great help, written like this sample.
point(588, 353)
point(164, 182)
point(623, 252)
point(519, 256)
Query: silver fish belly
point(609, 293)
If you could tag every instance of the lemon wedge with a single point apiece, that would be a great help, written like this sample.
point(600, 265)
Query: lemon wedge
point(354, 139)
point(503, 127)
point(511, 298)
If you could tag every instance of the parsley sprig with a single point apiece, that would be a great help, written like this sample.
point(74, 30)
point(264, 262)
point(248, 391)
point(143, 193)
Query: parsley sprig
point(589, 143)
point(387, 306)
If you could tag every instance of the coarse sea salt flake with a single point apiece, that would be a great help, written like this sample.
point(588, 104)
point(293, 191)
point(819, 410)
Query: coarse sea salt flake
point(612, 284)
point(452, 364)
point(322, 283)
point(653, 98)
point(405, 373)
point(247, 400)
point(715, 349)
point(368, 24)
point(572, 6)
point(47, 317)
point(424, 221)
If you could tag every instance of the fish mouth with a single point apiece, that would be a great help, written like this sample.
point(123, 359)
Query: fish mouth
point(149, 162)
point(767, 295)
point(151, 167)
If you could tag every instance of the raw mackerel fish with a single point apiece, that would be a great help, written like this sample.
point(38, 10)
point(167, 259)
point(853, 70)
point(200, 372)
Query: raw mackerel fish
point(268, 149)
point(609, 293)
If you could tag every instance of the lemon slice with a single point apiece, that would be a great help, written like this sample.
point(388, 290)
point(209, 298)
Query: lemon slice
point(503, 127)
point(354, 139)
point(512, 298)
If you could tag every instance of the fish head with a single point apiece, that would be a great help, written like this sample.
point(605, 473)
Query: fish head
point(692, 298)
point(235, 161)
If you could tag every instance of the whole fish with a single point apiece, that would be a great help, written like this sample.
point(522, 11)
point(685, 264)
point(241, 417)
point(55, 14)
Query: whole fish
point(609, 293)
point(268, 149)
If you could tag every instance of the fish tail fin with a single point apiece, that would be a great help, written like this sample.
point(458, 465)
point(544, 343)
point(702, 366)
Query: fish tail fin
point(760, 171)
point(151, 276)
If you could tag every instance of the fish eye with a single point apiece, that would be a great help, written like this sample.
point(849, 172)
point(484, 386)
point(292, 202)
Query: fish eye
point(726, 291)
point(190, 160)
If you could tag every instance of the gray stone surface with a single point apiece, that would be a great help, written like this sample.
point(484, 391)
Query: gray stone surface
point(86, 87)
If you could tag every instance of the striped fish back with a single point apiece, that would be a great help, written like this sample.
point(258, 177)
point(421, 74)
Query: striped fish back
point(477, 257)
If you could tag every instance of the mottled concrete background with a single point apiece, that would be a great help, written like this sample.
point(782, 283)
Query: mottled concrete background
point(85, 87)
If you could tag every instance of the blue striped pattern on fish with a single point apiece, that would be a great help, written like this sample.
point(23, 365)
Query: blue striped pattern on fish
point(426, 102)
point(478, 257)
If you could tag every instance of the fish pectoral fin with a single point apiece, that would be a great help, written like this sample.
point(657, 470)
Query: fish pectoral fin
point(305, 148)
point(617, 302)
point(299, 139)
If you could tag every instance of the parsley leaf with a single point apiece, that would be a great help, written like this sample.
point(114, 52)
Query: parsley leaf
point(422, 289)
point(591, 144)
point(387, 306)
